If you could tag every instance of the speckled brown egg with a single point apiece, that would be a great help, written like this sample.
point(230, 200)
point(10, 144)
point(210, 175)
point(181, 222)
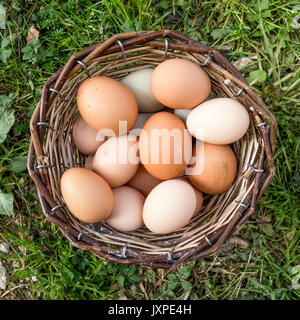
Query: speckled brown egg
point(214, 168)
point(104, 102)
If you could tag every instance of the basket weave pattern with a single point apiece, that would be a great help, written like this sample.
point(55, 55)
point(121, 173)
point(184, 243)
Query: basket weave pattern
point(52, 151)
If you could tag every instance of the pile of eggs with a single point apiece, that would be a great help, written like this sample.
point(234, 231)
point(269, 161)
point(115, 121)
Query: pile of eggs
point(128, 181)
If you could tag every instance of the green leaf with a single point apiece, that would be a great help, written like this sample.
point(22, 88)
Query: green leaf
point(6, 203)
point(186, 285)
point(67, 275)
point(19, 164)
point(172, 276)
point(126, 27)
point(263, 4)
point(266, 14)
point(7, 117)
point(4, 43)
point(219, 33)
point(164, 4)
point(267, 229)
point(184, 272)
point(257, 34)
point(5, 54)
point(27, 53)
point(172, 285)
point(257, 75)
point(138, 25)
point(131, 269)
point(121, 281)
point(150, 275)
point(252, 17)
point(135, 278)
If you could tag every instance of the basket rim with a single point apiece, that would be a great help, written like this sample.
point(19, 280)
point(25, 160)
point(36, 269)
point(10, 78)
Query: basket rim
point(264, 119)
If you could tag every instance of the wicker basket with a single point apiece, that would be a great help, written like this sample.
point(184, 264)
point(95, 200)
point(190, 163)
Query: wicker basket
point(52, 151)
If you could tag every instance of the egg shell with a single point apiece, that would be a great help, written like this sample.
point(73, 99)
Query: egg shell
point(139, 83)
point(143, 181)
point(86, 194)
point(89, 162)
point(165, 146)
point(180, 84)
point(199, 195)
point(116, 159)
point(127, 214)
point(214, 169)
point(84, 137)
point(104, 102)
point(218, 121)
point(169, 206)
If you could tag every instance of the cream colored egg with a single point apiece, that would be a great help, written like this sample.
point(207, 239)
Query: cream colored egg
point(127, 214)
point(139, 83)
point(116, 159)
point(218, 121)
point(169, 206)
point(199, 195)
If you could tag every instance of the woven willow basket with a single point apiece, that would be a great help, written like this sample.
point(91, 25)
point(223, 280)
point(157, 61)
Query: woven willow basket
point(52, 151)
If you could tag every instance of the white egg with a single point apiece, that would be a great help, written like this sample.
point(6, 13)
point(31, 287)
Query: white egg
point(139, 83)
point(169, 206)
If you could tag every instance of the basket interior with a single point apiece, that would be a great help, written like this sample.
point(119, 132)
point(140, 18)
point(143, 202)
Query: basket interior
point(60, 154)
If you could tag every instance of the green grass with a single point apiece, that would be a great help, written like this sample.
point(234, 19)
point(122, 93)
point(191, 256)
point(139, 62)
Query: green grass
point(41, 263)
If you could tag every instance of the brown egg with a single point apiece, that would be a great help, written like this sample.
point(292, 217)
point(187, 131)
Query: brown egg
point(104, 102)
point(199, 195)
point(165, 146)
point(86, 194)
point(84, 137)
point(180, 84)
point(214, 169)
point(116, 159)
point(143, 181)
point(89, 162)
point(127, 214)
